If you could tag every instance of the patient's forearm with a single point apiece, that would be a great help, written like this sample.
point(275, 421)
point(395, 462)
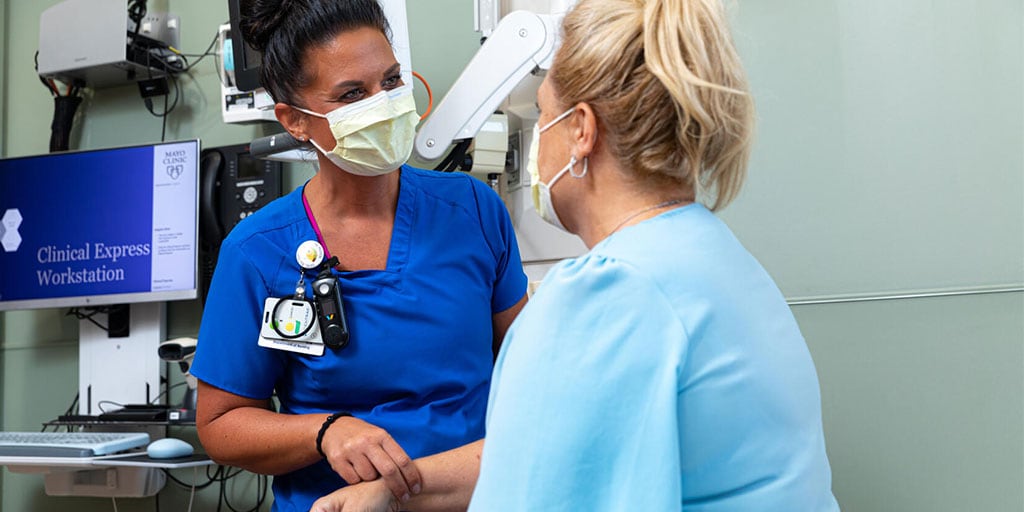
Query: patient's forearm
point(448, 479)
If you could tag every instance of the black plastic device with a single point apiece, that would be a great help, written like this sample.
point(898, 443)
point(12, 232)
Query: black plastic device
point(233, 184)
point(330, 310)
point(247, 60)
point(136, 412)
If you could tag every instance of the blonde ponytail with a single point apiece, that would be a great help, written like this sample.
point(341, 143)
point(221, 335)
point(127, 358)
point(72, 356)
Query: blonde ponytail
point(667, 86)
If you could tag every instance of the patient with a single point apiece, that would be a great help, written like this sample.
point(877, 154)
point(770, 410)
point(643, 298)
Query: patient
point(662, 370)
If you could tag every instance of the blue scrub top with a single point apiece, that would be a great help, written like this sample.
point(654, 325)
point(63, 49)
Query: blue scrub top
point(661, 371)
point(419, 359)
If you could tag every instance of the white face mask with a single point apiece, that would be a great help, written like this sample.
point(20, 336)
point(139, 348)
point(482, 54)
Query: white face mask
point(373, 136)
point(541, 192)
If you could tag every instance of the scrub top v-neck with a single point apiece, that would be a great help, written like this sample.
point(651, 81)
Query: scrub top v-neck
point(398, 245)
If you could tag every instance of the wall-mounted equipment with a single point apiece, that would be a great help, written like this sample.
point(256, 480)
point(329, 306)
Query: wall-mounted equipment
point(241, 102)
point(93, 43)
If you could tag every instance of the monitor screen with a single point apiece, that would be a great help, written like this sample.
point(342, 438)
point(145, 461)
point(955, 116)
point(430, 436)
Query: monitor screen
point(98, 227)
point(246, 60)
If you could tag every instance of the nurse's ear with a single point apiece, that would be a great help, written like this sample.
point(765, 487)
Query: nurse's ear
point(292, 120)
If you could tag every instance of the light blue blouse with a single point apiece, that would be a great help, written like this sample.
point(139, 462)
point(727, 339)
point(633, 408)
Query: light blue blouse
point(663, 370)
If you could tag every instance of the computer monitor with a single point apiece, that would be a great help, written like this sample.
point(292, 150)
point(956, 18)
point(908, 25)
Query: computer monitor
point(104, 227)
point(246, 60)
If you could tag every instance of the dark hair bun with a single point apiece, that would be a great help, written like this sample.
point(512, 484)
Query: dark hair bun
point(261, 18)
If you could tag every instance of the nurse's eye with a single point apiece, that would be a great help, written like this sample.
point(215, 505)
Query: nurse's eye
point(392, 82)
point(352, 95)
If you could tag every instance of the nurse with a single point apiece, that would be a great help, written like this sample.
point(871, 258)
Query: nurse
point(662, 370)
point(427, 267)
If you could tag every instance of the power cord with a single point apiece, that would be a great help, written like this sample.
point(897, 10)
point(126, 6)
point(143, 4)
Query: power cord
point(136, 12)
point(64, 108)
point(173, 64)
point(456, 158)
point(221, 476)
point(89, 313)
point(166, 392)
point(201, 56)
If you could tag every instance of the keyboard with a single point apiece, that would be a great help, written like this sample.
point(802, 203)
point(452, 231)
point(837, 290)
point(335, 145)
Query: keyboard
point(68, 444)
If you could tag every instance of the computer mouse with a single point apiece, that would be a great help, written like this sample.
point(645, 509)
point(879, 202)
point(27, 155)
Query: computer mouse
point(169, 448)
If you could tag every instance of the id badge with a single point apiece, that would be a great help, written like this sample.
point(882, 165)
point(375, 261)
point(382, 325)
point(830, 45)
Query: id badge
point(291, 326)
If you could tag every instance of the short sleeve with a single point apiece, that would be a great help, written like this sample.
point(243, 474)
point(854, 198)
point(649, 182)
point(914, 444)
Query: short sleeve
point(583, 412)
point(509, 279)
point(227, 354)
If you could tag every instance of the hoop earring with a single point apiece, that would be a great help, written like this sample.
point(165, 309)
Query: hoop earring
point(572, 164)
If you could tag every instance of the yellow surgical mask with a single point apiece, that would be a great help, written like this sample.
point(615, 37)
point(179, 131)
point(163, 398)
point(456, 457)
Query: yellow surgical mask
point(374, 136)
point(541, 191)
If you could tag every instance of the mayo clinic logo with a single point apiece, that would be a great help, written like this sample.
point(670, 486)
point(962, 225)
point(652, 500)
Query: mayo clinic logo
point(174, 171)
point(174, 162)
point(9, 235)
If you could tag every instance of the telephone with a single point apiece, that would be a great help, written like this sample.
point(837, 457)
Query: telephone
point(233, 185)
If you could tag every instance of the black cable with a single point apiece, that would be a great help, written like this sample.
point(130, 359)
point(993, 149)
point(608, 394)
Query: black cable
point(64, 108)
point(159, 52)
point(198, 486)
point(262, 485)
point(101, 403)
point(52, 89)
point(174, 104)
point(459, 155)
point(81, 314)
point(202, 55)
point(167, 65)
point(455, 157)
point(263, 493)
point(163, 122)
point(446, 161)
point(137, 11)
point(71, 408)
point(68, 411)
point(167, 392)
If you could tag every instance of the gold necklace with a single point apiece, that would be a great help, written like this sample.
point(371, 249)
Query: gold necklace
point(643, 211)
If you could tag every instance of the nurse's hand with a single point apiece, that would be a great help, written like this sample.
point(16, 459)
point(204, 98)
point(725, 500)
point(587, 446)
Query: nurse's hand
point(365, 497)
point(361, 452)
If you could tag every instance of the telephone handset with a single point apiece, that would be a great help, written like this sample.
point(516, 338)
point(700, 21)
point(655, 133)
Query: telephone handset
point(211, 230)
point(233, 184)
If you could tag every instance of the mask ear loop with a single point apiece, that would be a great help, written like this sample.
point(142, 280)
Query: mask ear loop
point(572, 165)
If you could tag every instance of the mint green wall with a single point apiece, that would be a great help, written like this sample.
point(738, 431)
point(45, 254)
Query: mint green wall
point(889, 160)
point(888, 156)
point(3, 71)
point(922, 401)
point(3, 108)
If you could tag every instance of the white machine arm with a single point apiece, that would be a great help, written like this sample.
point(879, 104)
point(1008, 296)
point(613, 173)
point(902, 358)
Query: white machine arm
point(522, 42)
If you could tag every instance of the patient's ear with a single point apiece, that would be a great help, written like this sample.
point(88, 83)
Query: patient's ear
point(584, 129)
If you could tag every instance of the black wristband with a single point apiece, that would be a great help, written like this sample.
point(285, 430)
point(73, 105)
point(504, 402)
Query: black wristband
point(323, 430)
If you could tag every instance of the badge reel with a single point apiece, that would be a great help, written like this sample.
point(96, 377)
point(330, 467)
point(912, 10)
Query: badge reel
point(329, 307)
point(292, 323)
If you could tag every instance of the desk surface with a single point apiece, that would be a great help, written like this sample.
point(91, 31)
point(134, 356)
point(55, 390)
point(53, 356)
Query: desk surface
point(138, 459)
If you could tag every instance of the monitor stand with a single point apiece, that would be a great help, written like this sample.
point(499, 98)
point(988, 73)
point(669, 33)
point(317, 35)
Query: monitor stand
point(116, 371)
